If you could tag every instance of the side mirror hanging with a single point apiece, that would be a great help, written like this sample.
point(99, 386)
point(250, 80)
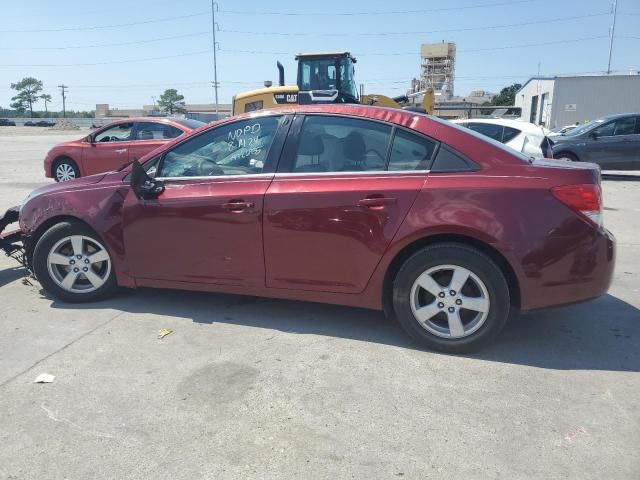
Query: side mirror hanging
point(142, 184)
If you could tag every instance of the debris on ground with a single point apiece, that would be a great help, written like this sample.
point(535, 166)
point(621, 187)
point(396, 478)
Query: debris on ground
point(164, 332)
point(65, 125)
point(44, 378)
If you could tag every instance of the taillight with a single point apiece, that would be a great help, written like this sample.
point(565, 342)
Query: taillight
point(585, 199)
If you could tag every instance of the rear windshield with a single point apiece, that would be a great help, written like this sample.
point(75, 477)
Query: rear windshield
point(189, 122)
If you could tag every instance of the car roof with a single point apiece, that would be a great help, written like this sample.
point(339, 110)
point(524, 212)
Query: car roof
point(619, 115)
point(165, 120)
point(517, 124)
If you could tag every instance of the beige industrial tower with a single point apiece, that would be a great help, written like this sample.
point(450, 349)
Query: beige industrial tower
point(438, 62)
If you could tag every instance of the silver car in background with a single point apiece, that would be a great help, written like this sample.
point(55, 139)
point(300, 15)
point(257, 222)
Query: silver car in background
point(612, 142)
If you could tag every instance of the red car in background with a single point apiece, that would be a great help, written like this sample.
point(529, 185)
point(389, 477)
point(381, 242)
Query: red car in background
point(447, 230)
point(110, 146)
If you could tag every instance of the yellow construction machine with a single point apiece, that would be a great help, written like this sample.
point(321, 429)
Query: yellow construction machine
point(326, 77)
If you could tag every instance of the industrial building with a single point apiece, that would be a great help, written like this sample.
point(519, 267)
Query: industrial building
point(438, 65)
point(566, 100)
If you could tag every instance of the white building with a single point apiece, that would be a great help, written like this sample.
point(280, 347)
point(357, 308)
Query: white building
point(565, 100)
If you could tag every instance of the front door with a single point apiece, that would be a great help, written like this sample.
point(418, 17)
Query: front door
point(338, 199)
point(612, 144)
point(109, 150)
point(206, 227)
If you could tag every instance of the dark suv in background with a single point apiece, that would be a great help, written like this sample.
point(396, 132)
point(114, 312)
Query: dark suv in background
point(612, 142)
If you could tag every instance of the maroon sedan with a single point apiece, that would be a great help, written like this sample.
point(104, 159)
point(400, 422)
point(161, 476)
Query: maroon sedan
point(112, 145)
point(446, 230)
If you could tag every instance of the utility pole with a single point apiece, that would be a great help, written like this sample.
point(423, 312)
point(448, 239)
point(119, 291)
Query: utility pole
point(62, 89)
point(214, 7)
point(612, 31)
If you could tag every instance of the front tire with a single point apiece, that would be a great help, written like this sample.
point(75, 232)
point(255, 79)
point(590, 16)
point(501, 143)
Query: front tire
point(451, 297)
point(567, 157)
point(65, 169)
point(73, 265)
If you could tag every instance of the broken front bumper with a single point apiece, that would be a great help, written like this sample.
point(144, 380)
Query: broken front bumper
point(12, 242)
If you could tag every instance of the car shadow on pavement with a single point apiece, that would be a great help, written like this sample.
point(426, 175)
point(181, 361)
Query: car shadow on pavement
point(12, 274)
point(597, 335)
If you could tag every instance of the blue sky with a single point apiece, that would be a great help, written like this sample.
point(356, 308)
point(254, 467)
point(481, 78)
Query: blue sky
point(251, 40)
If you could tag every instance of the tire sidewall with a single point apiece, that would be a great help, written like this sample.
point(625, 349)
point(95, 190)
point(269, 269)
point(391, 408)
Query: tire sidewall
point(463, 256)
point(41, 270)
point(567, 156)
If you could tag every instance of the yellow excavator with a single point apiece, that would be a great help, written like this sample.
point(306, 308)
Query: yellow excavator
point(326, 77)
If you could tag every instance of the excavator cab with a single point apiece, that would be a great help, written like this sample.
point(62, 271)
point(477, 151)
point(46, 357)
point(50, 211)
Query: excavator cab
point(326, 78)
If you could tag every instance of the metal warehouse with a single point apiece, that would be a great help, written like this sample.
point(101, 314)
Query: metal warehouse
point(565, 100)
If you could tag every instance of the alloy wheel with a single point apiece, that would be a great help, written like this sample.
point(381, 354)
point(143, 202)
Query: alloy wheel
point(79, 264)
point(450, 301)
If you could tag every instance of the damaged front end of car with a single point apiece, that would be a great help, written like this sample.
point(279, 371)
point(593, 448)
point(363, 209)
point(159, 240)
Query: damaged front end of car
point(12, 242)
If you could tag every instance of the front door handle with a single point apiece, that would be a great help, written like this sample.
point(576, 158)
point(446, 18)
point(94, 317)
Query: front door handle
point(377, 203)
point(121, 150)
point(238, 205)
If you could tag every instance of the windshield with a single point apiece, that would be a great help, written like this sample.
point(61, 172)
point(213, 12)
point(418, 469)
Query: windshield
point(328, 74)
point(189, 122)
point(583, 128)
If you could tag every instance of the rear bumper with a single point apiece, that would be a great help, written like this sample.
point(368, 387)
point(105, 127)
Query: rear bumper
point(581, 269)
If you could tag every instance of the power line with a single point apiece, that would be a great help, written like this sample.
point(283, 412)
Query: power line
point(424, 32)
point(116, 44)
point(115, 62)
point(265, 52)
point(328, 34)
point(388, 12)
point(100, 27)
point(415, 53)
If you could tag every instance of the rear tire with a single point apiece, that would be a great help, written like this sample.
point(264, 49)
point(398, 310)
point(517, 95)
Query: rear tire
point(71, 263)
point(432, 289)
point(65, 169)
point(567, 157)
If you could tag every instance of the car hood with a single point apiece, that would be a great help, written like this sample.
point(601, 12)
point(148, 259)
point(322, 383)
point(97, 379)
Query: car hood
point(66, 186)
point(562, 139)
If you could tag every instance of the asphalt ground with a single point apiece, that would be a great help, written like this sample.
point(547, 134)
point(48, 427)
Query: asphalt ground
point(247, 387)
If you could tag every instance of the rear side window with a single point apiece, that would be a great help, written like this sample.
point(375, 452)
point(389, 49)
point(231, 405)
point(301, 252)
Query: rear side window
point(488, 129)
point(449, 160)
point(410, 152)
point(509, 134)
point(156, 131)
point(340, 144)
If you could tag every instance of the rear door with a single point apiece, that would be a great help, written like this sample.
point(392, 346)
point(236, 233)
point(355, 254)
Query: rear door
point(150, 135)
point(343, 187)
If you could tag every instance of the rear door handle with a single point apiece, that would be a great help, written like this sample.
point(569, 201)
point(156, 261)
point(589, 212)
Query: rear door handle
point(377, 203)
point(238, 205)
point(121, 150)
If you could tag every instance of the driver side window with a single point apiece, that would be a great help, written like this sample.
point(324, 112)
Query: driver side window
point(238, 148)
point(117, 133)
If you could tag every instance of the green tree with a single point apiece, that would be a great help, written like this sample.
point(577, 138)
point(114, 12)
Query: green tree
point(28, 89)
point(507, 95)
point(171, 102)
point(19, 104)
point(46, 98)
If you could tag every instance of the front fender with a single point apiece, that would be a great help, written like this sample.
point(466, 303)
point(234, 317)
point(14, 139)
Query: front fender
point(99, 206)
